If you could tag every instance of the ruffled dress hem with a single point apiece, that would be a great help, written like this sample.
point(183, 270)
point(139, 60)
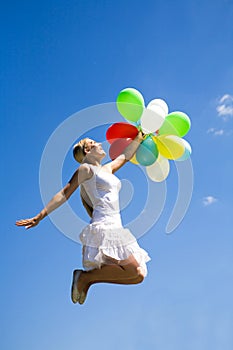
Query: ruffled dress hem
point(104, 240)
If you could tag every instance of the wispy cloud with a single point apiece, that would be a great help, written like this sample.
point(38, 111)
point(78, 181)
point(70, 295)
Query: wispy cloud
point(209, 200)
point(225, 107)
point(225, 98)
point(215, 132)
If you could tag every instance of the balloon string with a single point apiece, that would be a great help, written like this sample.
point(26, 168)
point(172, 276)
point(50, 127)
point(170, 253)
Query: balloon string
point(145, 136)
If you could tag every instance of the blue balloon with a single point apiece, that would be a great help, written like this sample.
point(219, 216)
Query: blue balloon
point(147, 153)
point(187, 152)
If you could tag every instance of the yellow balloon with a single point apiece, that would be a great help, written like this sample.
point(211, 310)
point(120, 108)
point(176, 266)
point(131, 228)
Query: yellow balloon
point(170, 146)
point(134, 160)
point(154, 138)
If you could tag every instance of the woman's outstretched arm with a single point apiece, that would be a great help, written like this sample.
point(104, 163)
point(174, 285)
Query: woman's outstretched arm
point(127, 154)
point(54, 203)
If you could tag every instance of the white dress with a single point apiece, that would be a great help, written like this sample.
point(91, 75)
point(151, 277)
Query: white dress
point(105, 235)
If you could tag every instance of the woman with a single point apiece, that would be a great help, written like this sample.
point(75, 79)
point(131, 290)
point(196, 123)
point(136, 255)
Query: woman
point(111, 253)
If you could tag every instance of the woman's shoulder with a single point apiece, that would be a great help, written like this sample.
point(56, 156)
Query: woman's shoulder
point(84, 167)
point(85, 172)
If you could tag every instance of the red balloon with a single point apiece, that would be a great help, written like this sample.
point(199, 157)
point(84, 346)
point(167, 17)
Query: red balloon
point(118, 147)
point(120, 131)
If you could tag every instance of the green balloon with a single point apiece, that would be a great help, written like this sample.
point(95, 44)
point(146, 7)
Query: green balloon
point(130, 104)
point(176, 123)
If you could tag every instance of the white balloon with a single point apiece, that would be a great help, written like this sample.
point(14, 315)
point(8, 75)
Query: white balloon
point(159, 170)
point(152, 118)
point(160, 103)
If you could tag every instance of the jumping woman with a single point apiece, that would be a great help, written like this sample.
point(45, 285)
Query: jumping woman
point(111, 253)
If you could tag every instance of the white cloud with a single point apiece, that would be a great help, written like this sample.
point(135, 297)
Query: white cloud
point(225, 107)
point(225, 110)
point(226, 97)
point(215, 132)
point(219, 132)
point(209, 200)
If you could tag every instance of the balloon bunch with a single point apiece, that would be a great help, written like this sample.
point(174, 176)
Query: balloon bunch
point(162, 131)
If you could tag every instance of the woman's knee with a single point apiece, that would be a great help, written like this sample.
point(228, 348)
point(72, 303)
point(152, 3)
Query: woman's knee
point(134, 270)
point(140, 274)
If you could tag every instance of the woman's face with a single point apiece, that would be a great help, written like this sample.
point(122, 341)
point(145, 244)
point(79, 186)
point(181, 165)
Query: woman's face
point(94, 148)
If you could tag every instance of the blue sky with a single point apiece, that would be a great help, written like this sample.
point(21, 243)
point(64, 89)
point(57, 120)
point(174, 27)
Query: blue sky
point(59, 57)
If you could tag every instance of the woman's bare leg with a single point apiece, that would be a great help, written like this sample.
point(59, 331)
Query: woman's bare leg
point(124, 272)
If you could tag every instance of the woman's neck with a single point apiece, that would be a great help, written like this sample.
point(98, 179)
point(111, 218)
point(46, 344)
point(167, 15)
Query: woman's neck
point(95, 162)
